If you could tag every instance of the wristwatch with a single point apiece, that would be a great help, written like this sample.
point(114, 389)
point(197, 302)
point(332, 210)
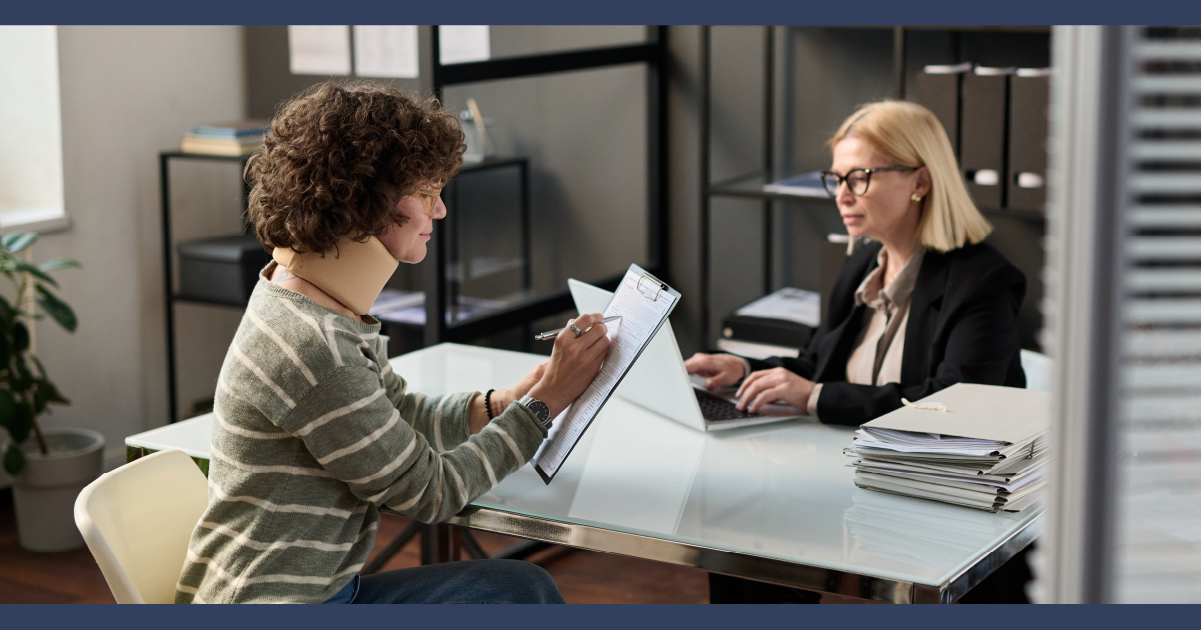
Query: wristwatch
point(541, 411)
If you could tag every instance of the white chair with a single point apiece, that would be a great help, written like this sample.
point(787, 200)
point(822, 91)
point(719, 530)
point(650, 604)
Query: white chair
point(1037, 367)
point(137, 521)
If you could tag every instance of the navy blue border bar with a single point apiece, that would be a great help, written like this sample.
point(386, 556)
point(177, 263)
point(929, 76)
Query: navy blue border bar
point(599, 617)
point(812, 12)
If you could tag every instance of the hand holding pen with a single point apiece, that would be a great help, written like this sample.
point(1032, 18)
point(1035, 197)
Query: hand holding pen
point(574, 362)
point(551, 334)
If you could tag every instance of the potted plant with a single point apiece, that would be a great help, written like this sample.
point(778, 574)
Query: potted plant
point(50, 469)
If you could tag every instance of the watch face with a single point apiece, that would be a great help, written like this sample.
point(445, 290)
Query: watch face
point(541, 410)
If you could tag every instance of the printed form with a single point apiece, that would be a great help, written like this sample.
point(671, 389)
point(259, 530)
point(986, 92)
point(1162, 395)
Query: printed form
point(644, 304)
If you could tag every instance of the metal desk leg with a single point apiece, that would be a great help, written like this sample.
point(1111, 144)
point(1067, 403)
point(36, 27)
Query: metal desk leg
point(393, 547)
point(439, 543)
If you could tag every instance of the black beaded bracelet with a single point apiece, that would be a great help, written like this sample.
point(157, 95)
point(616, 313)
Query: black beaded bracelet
point(488, 404)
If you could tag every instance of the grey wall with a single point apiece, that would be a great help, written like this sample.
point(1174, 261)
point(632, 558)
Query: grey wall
point(736, 115)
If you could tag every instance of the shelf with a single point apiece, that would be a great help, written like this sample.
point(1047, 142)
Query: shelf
point(413, 315)
point(204, 156)
point(179, 297)
point(1036, 216)
point(751, 187)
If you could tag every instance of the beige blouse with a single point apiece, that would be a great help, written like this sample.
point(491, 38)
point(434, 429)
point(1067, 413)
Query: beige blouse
point(876, 356)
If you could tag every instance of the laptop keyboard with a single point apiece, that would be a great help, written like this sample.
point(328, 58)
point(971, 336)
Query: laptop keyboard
point(715, 408)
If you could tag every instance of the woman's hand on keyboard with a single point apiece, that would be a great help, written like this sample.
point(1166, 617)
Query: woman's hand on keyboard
point(776, 384)
point(719, 370)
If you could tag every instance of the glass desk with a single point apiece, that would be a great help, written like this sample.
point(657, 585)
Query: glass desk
point(774, 502)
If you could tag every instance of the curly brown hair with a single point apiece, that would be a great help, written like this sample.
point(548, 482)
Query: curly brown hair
point(339, 157)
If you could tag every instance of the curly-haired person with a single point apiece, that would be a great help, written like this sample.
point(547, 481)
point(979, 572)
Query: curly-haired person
point(313, 431)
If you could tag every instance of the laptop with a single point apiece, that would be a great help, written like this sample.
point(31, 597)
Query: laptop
point(658, 380)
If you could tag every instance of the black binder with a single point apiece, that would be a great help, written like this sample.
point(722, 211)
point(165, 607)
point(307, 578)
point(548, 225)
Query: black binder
point(1029, 104)
point(938, 89)
point(982, 147)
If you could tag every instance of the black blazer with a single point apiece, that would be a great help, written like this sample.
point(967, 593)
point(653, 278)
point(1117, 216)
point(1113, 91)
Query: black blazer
point(962, 329)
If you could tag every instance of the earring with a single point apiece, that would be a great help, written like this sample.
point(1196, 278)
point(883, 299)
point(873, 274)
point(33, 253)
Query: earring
point(915, 197)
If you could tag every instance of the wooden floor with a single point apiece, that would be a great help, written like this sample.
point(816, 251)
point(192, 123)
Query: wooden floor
point(582, 576)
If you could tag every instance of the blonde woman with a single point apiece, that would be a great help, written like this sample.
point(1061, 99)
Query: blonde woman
point(924, 305)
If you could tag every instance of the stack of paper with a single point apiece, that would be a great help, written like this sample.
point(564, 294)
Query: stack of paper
point(987, 450)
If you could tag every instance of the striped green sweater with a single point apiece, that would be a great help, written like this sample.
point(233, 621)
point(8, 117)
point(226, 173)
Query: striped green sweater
point(313, 434)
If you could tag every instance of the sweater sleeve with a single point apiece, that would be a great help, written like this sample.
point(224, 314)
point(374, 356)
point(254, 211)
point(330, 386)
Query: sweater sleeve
point(357, 435)
point(441, 419)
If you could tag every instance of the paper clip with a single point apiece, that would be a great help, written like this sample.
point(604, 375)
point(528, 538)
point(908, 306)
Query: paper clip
point(661, 287)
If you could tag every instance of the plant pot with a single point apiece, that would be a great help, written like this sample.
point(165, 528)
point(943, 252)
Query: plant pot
point(45, 490)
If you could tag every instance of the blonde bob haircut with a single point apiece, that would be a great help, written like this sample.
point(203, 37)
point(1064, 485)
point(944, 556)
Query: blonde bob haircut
point(910, 135)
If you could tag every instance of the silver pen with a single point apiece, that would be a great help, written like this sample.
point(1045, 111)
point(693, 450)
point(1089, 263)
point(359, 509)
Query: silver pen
point(551, 334)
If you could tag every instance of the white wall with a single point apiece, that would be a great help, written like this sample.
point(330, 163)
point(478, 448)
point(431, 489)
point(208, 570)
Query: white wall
point(129, 92)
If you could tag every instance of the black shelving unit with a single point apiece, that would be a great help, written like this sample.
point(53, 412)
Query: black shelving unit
point(520, 312)
point(750, 185)
point(171, 297)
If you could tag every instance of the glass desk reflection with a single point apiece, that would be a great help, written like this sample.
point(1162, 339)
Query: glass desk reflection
point(774, 503)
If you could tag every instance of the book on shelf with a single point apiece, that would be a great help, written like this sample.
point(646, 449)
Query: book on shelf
point(216, 146)
point(803, 185)
point(234, 139)
point(240, 129)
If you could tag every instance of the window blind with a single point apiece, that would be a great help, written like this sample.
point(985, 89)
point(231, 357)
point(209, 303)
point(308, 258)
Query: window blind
point(1158, 493)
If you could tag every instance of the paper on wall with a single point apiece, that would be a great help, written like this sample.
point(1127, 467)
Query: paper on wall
point(463, 44)
point(386, 51)
point(322, 50)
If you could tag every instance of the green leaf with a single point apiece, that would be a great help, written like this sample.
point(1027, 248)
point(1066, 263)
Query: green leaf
point(22, 423)
point(21, 265)
point(50, 392)
point(14, 460)
point(62, 263)
point(8, 407)
point(57, 309)
point(6, 317)
point(6, 351)
point(20, 337)
point(19, 241)
point(23, 378)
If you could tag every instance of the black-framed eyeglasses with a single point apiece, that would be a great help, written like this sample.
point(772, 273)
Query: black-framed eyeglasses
point(857, 179)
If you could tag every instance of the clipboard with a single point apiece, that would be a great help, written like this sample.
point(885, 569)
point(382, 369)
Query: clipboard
point(637, 331)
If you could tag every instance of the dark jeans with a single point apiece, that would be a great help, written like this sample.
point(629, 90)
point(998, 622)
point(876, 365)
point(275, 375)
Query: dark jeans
point(466, 582)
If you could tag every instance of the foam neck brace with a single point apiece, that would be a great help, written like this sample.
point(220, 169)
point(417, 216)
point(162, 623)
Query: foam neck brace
point(353, 274)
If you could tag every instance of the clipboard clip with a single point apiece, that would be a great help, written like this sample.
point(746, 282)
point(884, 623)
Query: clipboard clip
point(654, 286)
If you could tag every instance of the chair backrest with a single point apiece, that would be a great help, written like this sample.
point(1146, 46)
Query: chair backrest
point(1037, 367)
point(137, 521)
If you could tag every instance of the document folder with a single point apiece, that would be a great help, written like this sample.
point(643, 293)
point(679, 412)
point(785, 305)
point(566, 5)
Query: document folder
point(982, 150)
point(1029, 102)
point(938, 89)
point(982, 412)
